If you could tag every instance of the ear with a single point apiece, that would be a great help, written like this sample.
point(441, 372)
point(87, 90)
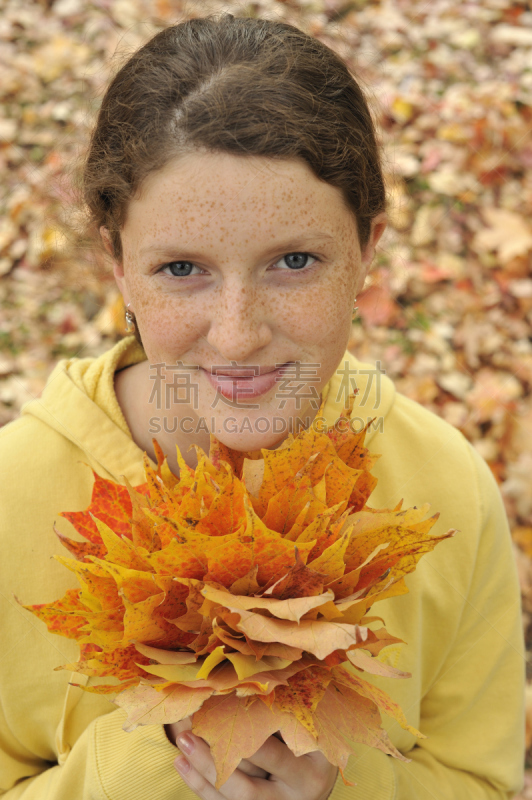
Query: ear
point(118, 267)
point(106, 241)
point(378, 226)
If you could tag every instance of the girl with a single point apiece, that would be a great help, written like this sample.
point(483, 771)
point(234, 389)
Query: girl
point(235, 180)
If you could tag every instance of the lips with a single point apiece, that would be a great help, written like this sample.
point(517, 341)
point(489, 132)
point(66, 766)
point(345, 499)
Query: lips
point(244, 384)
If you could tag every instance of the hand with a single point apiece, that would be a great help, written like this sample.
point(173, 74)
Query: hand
point(173, 731)
point(309, 777)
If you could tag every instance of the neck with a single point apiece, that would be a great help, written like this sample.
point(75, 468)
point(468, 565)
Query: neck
point(176, 425)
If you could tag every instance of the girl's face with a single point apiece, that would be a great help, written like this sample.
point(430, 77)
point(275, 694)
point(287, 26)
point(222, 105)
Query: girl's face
point(244, 270)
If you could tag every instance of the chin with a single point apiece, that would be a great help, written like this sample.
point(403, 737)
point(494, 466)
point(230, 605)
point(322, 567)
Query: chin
point(246, 442)
point(262, 428)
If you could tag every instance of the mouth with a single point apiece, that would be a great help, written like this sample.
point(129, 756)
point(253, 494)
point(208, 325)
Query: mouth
point(240, 384)
point(241, 373)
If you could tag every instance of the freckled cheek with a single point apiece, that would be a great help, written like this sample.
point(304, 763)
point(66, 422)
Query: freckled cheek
point(309, 326)
point(320, 309)
point(166, 328)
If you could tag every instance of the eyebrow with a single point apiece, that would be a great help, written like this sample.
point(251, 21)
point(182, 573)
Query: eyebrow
point(289, 245)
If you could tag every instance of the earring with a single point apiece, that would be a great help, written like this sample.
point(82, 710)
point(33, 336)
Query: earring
point(353, 318)
point(130, 320)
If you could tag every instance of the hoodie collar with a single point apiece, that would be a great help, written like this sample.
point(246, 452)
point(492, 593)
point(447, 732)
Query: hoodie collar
point(79, 402)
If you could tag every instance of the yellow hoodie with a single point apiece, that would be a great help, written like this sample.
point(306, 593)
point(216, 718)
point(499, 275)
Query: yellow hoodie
point(461, 620)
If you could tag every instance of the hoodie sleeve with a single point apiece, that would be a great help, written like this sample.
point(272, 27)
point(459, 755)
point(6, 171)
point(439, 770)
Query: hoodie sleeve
point(104, 764)
point(473, 714)
point(41, 472)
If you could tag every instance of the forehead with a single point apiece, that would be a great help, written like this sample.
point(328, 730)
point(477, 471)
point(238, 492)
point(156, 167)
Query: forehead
point(221, 191)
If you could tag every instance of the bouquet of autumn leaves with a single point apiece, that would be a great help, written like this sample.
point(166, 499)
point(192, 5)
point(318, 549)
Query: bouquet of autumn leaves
point(238, 594)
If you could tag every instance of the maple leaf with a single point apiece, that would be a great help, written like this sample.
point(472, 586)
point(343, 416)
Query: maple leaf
point(342, 677)
point(299, 581)
point(248, 724)
point(238, 594)
point(290, 609)
point(66, 616)
point(110, 503)
point(147, 706)
point(508, 233)
point(342, 717)
point(302, 695)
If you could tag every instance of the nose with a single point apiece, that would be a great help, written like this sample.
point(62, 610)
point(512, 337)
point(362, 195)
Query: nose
point(239, 325)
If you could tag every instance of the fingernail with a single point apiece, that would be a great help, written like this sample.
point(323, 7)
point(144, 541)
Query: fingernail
point(185, 742)
point(182, 764)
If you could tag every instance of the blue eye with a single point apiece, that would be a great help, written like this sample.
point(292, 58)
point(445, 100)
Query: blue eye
point(296, 260)
point(179, 269)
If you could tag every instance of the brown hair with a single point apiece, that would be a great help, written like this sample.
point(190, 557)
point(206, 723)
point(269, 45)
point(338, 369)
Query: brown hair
point(242, 86)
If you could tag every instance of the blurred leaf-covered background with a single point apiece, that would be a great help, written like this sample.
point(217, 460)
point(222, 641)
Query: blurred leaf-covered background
point(447, 309)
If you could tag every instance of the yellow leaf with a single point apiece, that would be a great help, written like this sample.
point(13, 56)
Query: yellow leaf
point(165, 656)
point(147, 706)
point(319, 637)
point(331, 562)
point(211, 661)
point(293, 608)
point(139, 624)
point(252, 475)
point(301, 696)
point(248, 584)
point(174, 673)
point(246, 666)
point(119, 551)
point(380, 698)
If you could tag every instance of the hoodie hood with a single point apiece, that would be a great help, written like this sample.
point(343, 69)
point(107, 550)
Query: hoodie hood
point(80, 403)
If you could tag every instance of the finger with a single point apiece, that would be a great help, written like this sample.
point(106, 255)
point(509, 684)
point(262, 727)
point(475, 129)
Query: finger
point(198, 753)
point(195, 780)
point(276, 758)
point(175, 728)
point(252, 770)
point(307, 774)
point(327, 772)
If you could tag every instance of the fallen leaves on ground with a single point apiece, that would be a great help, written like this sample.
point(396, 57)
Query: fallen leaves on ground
point(450, 299)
